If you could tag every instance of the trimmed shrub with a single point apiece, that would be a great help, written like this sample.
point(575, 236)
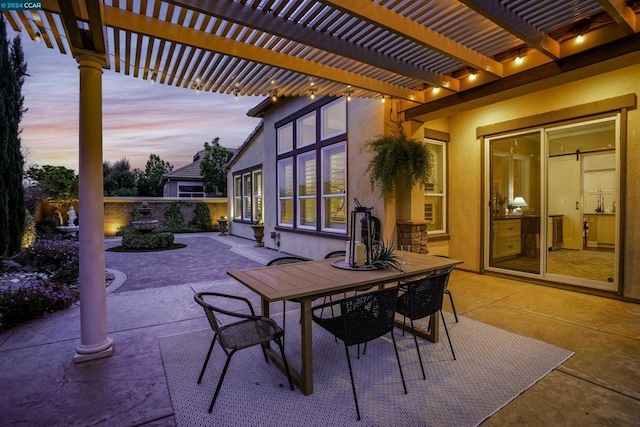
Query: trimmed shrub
point(136, 240)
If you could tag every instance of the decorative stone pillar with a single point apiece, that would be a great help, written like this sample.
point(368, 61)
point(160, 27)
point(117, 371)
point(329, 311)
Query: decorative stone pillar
point(412, 235)
point(94, 342)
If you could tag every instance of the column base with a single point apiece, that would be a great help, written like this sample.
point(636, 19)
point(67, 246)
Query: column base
point(83, 355)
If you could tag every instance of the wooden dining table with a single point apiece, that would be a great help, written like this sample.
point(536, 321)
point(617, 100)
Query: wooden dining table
point(307, 281)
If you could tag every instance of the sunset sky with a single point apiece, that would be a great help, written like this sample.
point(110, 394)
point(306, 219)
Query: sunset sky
point(138, 118)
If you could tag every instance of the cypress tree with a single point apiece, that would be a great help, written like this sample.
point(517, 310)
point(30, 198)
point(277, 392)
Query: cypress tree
point(15, 175)
point(5, 71)
point(12, 73)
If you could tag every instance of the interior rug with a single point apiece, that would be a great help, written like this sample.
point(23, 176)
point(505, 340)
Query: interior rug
point(493, 367)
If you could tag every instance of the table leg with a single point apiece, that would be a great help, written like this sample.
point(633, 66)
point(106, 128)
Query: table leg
point(306, 385)
point(303, 379)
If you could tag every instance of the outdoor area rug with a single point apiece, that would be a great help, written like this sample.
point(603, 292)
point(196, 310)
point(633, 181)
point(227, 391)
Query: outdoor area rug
point(492, 368)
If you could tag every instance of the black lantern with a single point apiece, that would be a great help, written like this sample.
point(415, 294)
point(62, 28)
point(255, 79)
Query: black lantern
point(360, 245)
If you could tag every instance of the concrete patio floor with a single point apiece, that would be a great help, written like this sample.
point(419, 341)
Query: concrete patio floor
point(40, 384)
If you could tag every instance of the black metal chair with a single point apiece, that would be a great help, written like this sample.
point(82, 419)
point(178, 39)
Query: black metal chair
point(281, 261)
point(421, 298)
point(448, 292)
point(251, 330)
point(336, 254)
point(362, 318)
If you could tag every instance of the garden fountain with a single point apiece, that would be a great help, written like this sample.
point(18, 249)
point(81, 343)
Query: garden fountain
point(145, 224)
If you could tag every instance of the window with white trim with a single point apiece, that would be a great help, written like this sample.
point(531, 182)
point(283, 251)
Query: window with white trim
point(436, 191)
point(316, 164)
point(247, 195)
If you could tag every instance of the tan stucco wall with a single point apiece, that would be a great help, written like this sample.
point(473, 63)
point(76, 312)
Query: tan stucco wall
point(466, 158)
point(117, 210)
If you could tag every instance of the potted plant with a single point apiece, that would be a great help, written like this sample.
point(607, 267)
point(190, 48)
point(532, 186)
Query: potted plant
point(223, 222)
point(398, 164)
point(258, 232)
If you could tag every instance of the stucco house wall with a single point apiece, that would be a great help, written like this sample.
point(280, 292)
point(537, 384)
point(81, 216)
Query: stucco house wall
point(368, 118)
point(466, 158)
point(251, 155)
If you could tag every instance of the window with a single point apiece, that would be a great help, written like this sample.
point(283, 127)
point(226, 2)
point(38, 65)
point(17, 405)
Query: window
point(285, 138)
point(190, 190)
point(435, 194)
point(257, 195)
point(334, 187)
point(306, 127)
point(334, 119)
point(307, 190)
point(247, 195)
point(316, 164)
point(285, 191)
point(237, 197)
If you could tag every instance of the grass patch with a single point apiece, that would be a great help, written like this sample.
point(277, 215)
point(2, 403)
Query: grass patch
point(123, 249)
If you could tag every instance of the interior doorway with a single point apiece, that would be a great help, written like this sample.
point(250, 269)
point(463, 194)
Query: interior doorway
point(552, 204)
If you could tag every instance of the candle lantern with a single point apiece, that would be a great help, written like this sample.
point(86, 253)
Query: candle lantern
point(360, 245)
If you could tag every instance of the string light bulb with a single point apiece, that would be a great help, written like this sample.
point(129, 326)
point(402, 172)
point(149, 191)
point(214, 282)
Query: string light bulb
point(436, 90)
point(383, 99)
point(274, 96)
point(153, 78)
point(312, 94)
point(472, 76)
point(348, 95)
point(580, 38)
point(38, 37)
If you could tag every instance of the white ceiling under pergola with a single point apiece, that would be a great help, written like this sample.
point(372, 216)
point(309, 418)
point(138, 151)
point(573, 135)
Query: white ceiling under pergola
point(393, 48)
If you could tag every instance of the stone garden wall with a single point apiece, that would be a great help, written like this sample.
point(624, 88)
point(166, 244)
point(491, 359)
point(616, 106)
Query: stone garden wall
point(117, 210)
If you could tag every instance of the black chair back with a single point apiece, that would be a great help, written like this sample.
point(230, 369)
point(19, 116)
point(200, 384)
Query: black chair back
point(368, 316)
point(423, 297)
point(286, 260)
point(336, 254)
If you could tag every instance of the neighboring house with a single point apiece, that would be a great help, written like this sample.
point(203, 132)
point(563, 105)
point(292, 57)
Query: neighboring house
point(562, 144)
point(187, 182)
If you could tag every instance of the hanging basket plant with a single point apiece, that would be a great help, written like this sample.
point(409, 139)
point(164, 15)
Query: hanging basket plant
point(399, 163)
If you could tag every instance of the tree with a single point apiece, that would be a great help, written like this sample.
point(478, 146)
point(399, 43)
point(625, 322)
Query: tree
point(212, 167)
point(13, 70)
point(119, 179)
point(56, 182)
point(149, 181)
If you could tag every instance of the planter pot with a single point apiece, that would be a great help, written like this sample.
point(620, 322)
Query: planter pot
point(222, 226)
point(258, 234)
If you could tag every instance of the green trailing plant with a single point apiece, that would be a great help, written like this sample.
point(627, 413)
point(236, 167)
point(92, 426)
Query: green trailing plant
point(399, 163)
point(174, 216)
point(202, 218)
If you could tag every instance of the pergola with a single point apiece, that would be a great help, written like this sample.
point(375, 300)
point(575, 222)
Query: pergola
point(432, 54)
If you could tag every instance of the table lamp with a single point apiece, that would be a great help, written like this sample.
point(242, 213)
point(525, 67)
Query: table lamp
point(519, 202)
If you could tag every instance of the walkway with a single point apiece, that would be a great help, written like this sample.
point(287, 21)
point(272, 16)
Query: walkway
point(41, 386)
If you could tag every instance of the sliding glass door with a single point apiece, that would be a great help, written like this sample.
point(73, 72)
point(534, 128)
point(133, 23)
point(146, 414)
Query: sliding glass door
point(552, 203)
point(582, 191)
point(515, 204)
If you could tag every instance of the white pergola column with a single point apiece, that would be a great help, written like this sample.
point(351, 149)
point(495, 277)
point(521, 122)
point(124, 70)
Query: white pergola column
point(94, 342)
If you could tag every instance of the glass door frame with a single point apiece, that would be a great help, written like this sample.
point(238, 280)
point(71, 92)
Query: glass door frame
point(544, 212)
point(488, 223)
